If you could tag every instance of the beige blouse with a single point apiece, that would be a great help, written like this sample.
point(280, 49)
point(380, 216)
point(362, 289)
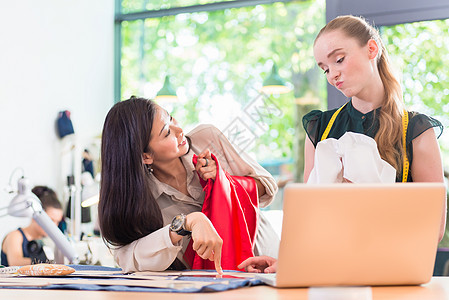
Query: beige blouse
point(156, 252)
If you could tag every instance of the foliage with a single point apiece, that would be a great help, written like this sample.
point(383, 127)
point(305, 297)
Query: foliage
point(420, 50)
point(217, 61)
point(130, 6)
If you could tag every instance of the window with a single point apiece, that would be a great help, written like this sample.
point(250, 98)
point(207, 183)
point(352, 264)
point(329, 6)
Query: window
point(132, 6)
point(217, 61)
point(420, 51)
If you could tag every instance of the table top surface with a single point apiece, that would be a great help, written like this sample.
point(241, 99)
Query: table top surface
point(437, 288)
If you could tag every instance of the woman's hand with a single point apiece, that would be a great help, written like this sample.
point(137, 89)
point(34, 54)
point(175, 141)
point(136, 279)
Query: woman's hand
point(206, 166)
point(259, 264)
point(206, 241)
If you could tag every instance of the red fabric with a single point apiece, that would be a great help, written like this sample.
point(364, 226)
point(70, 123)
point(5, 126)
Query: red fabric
point(231, 205)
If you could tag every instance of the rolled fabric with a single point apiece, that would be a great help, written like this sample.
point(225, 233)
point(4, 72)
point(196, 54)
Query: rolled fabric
point(45, 270)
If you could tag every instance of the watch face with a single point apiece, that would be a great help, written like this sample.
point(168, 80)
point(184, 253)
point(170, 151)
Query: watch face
point(177, 223)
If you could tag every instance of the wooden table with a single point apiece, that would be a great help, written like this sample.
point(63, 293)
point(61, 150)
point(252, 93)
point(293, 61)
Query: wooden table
point(437, 288)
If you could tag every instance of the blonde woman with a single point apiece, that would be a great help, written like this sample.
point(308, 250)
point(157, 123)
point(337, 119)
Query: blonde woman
point(354, 60)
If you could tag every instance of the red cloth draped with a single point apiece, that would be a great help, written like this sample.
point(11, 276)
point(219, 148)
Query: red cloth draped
point(231, 204)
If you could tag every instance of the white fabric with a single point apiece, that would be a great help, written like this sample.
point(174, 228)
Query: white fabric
point(353, 157)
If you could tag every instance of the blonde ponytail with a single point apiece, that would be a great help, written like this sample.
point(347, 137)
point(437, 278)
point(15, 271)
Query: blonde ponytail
point(389, 135)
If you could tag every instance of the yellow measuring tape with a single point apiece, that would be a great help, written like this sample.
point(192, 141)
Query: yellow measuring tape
point(331, 122)
point(406, 165)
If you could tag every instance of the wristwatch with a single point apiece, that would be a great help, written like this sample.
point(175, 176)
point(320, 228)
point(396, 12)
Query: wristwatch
point(177, 225)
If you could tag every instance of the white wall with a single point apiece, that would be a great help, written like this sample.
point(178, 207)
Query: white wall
point(54, 55)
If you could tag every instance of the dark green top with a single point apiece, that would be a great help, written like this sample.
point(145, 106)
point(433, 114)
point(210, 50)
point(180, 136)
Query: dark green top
point(350, 119)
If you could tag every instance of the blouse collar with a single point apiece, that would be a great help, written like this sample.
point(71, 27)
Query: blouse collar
point(193, 184)
point(358, 116)
point(158, 187)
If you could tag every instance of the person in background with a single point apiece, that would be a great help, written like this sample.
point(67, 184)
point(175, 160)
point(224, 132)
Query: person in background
point(88, 164)
point(23, 246)
point(354, 60)
point(148, 181)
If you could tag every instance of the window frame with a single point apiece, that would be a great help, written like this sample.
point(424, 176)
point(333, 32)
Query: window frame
point(142, 15)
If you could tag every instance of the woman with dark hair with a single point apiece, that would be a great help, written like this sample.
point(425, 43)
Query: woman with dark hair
point(15, 246)
point(151, 197)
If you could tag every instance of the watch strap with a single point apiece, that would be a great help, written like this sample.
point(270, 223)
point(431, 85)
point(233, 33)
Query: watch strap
point(183, 232)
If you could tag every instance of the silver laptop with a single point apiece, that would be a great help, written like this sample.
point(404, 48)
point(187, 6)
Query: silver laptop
point(358, 234)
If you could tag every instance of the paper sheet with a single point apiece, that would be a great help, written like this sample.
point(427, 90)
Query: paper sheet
point(172, 284)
